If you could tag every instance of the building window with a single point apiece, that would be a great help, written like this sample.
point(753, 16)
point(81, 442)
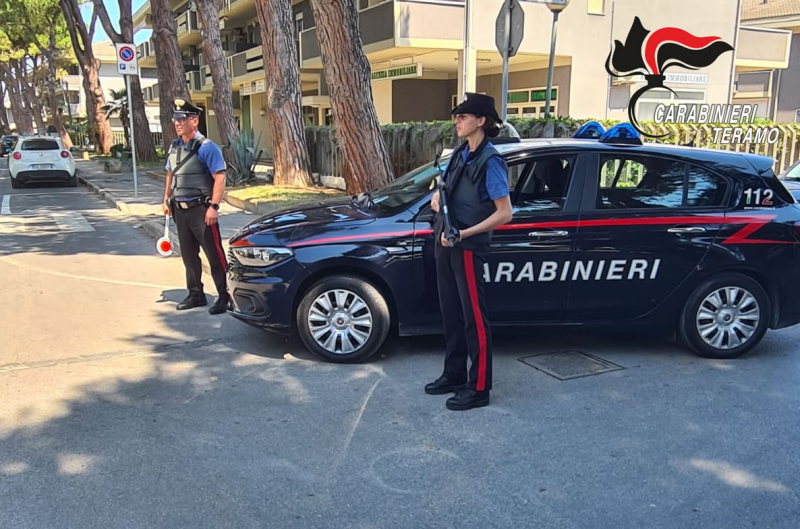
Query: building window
point(530, 103)
point(646, 107)
point(73, 70)
point(596, 7)
point(797, 116)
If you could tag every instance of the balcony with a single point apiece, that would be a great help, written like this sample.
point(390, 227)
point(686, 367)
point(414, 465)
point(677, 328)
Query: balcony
point(146, 54)
point(763, 49)
point(246, 66)
point(401, 23)
point(188, 29)
point(206, 80)
point(194, 82)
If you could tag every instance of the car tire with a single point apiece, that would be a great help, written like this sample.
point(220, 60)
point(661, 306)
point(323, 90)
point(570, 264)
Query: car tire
point(367, 321)
point(73, 181)
point(723, 311)
point(16, 184)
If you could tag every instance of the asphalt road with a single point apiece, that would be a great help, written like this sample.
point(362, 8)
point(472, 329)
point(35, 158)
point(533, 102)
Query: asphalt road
point(118, 411)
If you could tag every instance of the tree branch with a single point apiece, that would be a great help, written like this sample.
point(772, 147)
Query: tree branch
point(105, 20)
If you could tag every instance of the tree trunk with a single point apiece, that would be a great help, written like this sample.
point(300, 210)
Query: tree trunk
point(57, 123)
point(3, 114)
point(22, 120)
point(81, 38)
point(169, 66)
point(221, 95)
point(348, 75)
point(145, 148)
point(284, 98)
point(50, 54)
point(94, 105)
point(126, 128)
point(29, 94)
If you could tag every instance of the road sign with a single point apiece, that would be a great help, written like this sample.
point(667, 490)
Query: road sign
point(126, 59)
point(512, 17)
point(126, 65)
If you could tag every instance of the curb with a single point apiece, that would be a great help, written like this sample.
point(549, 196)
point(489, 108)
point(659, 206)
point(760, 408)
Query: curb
point(258, 208)
point(105, 195)
point(131, 209)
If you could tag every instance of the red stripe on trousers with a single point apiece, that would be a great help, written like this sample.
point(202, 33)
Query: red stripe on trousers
point(469, 268)
point(218, 244)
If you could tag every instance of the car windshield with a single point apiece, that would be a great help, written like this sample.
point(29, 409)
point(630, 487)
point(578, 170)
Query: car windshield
point(408, 188)
point(793, 173)
point(39, 145)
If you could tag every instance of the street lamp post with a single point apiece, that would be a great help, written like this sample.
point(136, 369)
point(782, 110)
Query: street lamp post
point(556, 9)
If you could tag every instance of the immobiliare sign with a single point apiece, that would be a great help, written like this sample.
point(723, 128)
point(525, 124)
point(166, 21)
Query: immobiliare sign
point(401, 72)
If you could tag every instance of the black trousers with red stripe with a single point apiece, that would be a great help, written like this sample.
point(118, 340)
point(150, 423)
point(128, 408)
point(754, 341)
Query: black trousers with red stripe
point(194, 233)
point(466, 325)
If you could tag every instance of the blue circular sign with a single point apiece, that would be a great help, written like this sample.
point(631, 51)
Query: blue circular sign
point(126, 54)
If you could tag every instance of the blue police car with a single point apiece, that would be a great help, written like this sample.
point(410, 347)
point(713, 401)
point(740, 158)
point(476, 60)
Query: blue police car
point(605, 231)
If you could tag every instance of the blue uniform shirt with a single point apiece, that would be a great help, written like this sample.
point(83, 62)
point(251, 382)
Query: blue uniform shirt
point(209, 155)
point(496, 177)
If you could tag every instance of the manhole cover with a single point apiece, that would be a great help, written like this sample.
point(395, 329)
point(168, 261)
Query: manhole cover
point(570, 364)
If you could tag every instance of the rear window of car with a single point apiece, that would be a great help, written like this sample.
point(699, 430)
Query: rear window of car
point(39, 145)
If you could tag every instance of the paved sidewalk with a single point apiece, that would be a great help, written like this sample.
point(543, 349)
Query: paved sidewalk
point(118, 191)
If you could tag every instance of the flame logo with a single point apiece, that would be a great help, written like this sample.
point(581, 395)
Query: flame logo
point(652, 53)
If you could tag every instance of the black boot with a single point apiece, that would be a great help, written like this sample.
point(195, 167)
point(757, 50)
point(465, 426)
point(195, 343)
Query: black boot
point(466, 399)
point(220, 306)
point(193, 301)
point(443, 385)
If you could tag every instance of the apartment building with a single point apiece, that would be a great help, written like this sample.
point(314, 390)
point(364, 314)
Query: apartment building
point(415, 48)
point(778, 90)
point(72, 98)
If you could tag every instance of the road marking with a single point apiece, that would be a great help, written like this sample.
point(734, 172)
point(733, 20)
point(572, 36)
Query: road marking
point(18, 264)
point(71, 222)
point(6, 208)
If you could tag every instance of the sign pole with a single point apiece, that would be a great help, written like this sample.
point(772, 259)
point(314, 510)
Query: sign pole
point(127, 66)
point(550, 67)
point(506, 51)
point(133, 136)
point(467, 53)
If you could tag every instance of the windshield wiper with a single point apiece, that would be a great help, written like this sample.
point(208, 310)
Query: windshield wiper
point(364, 199)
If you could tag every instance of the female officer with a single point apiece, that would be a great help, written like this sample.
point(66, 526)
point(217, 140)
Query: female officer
point(476, 184)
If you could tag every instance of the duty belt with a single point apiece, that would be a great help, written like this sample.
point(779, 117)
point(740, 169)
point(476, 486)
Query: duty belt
point(187, 204)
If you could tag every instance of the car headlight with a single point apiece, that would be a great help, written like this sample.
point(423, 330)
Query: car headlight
point(259, 256)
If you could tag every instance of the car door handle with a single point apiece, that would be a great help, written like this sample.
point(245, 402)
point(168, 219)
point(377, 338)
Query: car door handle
point(689, 229)
point(548, 234)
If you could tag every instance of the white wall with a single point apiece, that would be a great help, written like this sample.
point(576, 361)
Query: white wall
point(382, 94)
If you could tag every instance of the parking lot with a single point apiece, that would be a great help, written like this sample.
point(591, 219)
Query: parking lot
point(118, 411)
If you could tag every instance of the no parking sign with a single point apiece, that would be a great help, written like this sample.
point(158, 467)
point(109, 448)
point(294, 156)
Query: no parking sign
point(126, 59)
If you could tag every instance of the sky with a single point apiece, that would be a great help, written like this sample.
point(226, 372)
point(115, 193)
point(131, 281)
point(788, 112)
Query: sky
point(112, 6)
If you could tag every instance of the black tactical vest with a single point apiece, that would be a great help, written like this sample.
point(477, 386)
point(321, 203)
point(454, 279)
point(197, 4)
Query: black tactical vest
point(190, 177)
point(463, 183)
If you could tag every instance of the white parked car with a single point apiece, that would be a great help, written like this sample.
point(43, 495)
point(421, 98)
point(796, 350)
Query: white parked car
point(41, 159)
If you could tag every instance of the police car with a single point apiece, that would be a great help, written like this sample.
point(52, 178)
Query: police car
point(605, 231)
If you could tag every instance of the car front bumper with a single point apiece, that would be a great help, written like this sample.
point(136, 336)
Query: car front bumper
point(265, 298)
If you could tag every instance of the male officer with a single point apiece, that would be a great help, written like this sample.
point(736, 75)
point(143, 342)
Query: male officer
point(476, 183)
point(195, 184)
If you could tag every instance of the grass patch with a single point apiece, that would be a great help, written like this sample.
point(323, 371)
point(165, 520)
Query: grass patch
point(283, 194)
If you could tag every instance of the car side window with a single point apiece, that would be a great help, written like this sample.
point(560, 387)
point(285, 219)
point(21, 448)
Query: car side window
point(705, 189)
point(545, 186)
point(640, 182)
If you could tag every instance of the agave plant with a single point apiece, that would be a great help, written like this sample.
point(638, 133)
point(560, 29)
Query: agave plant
point(244, 155)
point(118, 107)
